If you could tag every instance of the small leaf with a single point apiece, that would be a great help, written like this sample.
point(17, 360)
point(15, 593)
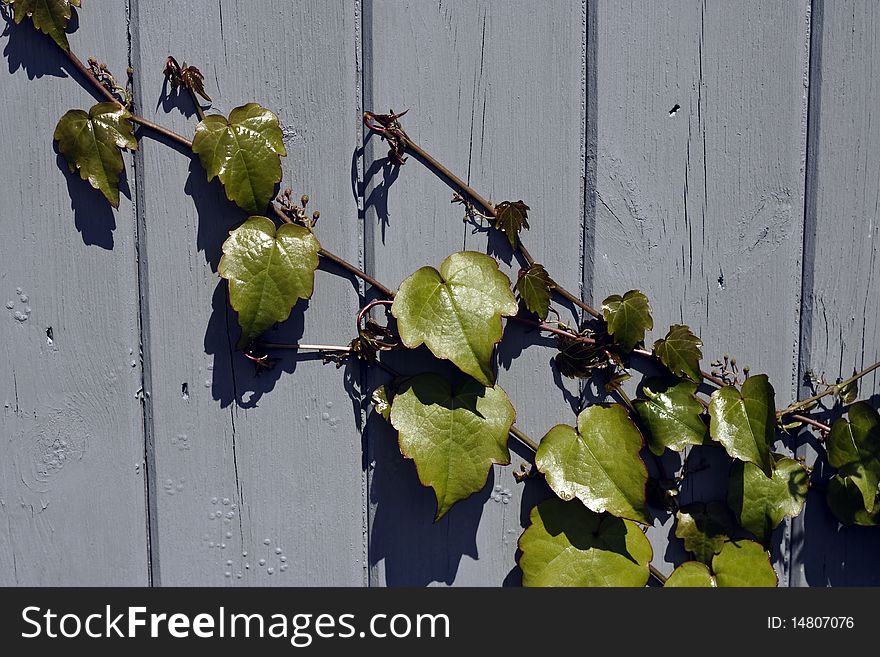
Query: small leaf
point(628, 317)
point(568, 545)
point(381, 403)
point(244, 151)
point(49, 16)
point(598, 463)
point(454, 431)
point(848, 393)
point(92, 142)
point(534, 286)
point(680, 352)
point(760, 503)
point(738, 564)
point(510, 218)
point(577, 359)
point(671, 414)
point(193, 78)
point(744, 421)
point(268, 272)
point(854, 449)
point(846, 502)
point(704, 528)
point(456, 311)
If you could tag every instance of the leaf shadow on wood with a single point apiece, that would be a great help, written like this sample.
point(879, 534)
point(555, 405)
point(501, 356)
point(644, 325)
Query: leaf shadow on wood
point(175, 99)
point(27, 49)
point(377, 200)
point(534, 491)
point(216, 214)
point(94, 217)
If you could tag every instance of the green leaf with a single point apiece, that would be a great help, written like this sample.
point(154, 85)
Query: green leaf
point(49, 16)
point(568, 545)
point(598, 463)
point(738, 564)
point(92, 142)
point(628, 317)
point(847, 503)
point(680, 352)
point(848, 393)
point(704, 528)
point(510, 218)
point(380, 402)
point(577, 359)
point(456, 311)
point(854, 449)
point(744, 421)
point(534, 286)
point(671, 414)
point(454, 431)
point(760, 503)
point(244, 151)
point(268, 272)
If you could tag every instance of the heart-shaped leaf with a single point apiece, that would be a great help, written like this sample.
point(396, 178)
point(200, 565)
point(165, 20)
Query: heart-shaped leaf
point(244, 151)
point(534, 286)
point(598, 463)
point(454, 431)
point(627, 317)
point(738, 564)
point(510, 218)
point(744, 421)
point(680, 352)
point(456, 311)
point(49, 16)
point(91, 143)
point(671, 414)
point(704, 528)
point(569, 545)
point(854, 449)
point(268, 272)
point(760, 503)
point(847, 503)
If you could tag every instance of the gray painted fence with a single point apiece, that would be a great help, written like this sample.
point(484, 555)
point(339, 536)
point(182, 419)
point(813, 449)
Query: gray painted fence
point(724, 157)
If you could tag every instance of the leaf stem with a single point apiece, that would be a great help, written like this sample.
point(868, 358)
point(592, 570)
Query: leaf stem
point(524, 438)
point(799, 405)
point(656, 574)
point(304, 347)
point(363, 311)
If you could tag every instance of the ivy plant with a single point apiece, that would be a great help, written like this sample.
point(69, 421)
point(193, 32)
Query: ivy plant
point(591, 531)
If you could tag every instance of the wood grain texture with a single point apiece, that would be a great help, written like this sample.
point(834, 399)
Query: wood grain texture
point(72, 499)
point(841, 316)
point(496, 92)
point(700, 148)
point(257, 480)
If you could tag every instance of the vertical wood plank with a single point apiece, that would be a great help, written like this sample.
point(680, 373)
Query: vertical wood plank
point(496, 92)
point(72, 502)
point(700, 113)
point(841, 317)
point(257, 479)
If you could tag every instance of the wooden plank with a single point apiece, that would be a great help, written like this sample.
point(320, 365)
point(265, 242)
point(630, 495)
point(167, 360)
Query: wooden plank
point(841, 317)
point(700, 142)
point(257, 480)
point(496, 92)
point(72, 502)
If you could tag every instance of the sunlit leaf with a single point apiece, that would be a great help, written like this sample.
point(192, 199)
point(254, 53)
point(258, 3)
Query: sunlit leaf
point(380, 402)
point(680, 352)
point(744, 421)
point(534, 286)
point(760, 503)
point(569, 545)
point(627, 317)
point(854, 449)
point(848, 393)
point(597, 463)
point(244, 151)
point(268, 272)
point(846, 502)
point(456, 311)
point(704, 528)
point(91, 143)
point(738, 564)
point(510, 218)
point(671, 414)
point(49, 16)
point(454, 431)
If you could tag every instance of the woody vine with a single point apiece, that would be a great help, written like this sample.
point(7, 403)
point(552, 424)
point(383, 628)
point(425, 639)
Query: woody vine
point(454, 429)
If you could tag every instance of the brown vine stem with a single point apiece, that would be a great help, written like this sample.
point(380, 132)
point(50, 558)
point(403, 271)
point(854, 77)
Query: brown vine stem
point(799, 405)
